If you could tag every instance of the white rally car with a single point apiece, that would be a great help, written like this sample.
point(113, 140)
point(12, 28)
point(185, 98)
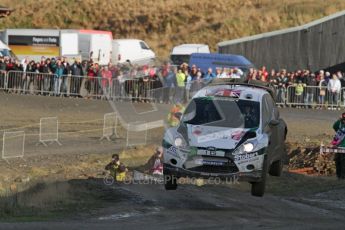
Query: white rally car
point(227, 130)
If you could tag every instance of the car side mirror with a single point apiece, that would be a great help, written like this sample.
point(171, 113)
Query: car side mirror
point(274, 122)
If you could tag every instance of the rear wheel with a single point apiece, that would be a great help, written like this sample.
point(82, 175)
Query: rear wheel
point(276, 168)
point(258, 188)
point(170, 182)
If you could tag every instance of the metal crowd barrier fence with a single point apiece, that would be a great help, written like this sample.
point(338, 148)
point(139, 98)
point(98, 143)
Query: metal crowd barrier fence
point(30, 82)
point(3, 80)
point(134, 89)
point(149, 89)
point(314, 96)
point(84, 86)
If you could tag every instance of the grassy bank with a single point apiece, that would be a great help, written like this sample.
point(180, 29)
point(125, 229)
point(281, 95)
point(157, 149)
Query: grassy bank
point(165, 23)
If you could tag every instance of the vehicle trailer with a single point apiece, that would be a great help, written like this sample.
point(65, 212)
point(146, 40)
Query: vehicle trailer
point(35, 43)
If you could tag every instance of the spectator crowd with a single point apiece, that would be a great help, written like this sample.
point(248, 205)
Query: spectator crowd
point(166, 83)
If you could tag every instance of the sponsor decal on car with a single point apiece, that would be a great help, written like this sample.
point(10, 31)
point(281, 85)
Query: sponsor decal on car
point(193, 152)
point(173, 151)
point(237, 135)
point(196, 130)
point(214, 136)
point(246, 156)
point(224, 92)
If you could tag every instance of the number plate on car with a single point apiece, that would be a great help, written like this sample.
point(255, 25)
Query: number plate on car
point(211, 152)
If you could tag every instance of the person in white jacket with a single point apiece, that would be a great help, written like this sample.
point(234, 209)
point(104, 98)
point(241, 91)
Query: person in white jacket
point(333, 87)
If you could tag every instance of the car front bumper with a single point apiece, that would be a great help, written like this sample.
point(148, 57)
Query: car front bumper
point(254, 176)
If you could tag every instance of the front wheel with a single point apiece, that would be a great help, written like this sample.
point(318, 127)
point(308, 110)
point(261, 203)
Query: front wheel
point(258, 188)
point(276, 168)
point(170, 182)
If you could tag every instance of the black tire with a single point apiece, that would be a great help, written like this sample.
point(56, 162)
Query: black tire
point(276, 168)
point(170, 182)
point(258, 188)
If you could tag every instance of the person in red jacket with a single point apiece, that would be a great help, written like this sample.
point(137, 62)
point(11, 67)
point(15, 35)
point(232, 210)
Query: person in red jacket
point(106, 81)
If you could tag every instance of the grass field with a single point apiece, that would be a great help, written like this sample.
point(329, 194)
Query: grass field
point(165, 23)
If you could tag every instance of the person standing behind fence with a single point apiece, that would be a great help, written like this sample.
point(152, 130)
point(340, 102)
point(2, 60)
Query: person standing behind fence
point(189, 83)
point(310, 90)
point(334, 87)
point(299, 89)
point(91, 74)
point(342, 83)
point(209, 76)
point(281, 81)
point(322, 91)
point(47, 77)
point(106, 82)
point(58, 78)
point(52, 70)
point(77, 76)
point(2, 72)
point(169, 83)
point(180, 79)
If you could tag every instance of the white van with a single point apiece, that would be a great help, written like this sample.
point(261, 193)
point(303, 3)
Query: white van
point(132, 50)
point(181, 53)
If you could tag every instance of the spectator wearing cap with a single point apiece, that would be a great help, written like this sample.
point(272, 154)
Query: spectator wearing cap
point(334, 87)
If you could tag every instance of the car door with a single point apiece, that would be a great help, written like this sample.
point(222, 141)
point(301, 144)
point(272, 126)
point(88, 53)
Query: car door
point(277, 130)
point(272, 131)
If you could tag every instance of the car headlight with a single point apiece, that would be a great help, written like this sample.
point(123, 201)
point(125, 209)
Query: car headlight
point(248, 147)
point(179, 142)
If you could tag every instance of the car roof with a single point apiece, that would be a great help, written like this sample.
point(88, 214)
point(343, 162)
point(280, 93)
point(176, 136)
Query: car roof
point(241, 92)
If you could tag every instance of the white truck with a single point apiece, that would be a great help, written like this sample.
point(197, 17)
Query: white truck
point(131, 50)
point(181, 53)
point(35, 43)
point(95, 45)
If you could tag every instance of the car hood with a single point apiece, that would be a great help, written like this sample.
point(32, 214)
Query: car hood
point(218, 137)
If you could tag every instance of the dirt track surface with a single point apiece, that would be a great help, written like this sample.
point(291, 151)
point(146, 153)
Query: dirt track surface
point(207, 207)
point(291, 202)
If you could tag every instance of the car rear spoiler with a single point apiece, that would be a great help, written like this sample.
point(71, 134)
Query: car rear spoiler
point(250, 83)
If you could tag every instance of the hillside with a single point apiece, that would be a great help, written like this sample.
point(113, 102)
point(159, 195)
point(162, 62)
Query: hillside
point(165, 23)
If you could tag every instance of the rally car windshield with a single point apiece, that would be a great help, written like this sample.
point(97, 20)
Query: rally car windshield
point(222, 112)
